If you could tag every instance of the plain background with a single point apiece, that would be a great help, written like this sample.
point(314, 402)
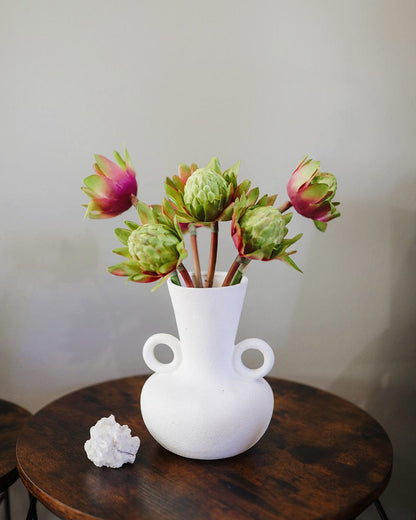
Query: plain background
point(263, 82)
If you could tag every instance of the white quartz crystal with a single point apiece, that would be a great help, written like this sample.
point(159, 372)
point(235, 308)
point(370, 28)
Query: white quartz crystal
point(111, 444)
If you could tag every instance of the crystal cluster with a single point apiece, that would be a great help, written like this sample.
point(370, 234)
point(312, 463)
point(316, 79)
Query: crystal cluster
point(111, 444)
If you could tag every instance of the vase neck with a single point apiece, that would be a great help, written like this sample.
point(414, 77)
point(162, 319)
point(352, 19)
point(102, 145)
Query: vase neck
point(207, 321)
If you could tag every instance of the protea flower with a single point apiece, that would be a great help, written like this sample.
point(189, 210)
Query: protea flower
point(154, 249)
point(259, 233)
point(206, 195)
point(111, 188)
point(203, 195)
point(311, 192)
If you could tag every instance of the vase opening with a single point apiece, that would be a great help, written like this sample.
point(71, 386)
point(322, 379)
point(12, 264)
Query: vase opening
point(219, 278)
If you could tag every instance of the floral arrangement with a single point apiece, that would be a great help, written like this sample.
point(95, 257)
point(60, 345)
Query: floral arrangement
point(154, 247)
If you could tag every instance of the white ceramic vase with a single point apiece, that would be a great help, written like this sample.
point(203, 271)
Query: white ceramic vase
point(205, 403)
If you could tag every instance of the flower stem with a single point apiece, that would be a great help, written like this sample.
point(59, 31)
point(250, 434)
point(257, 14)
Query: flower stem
point(236, 271)
point(134, 200)
point(240, 271)
point(284, 207)
point(185, 275)
point(213, 254)
point(195, 255)
point(231, 272)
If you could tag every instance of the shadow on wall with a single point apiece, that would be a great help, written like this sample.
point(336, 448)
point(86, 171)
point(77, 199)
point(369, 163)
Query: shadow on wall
point(365, 287)
point(382, 377)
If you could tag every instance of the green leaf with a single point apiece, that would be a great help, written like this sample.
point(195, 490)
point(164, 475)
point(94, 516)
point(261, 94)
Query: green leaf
point(141, 277)
point(168, 209)
point(175, 182)
point(145, 213)
point(237, 277)
point(160, 282)
point(252, 196)
point(164, 219)
point(231, 180)
point(183, 253)
point(290, 241)
point(287, 217)
point(122, 251)
point(170, 182)
point(158, 216)
point(334, 213)
point(230, 175)
point(239, 207)
point(262, 201)
point(165, 268)
point(184, 218)
point(320, 225)
point(178, 184)
point(214, 164)
point(127, 156)
point(288, 260)
point(271, 199)
point(131, 225)
point(227, 214)
point(120, 160)
point(266, 252)
point(128, 268)
point(174, 195)
point(122, 234)
point(280, 250)
point(175, 278)
point(243, 187)
point(184, 170)
point(233, 171)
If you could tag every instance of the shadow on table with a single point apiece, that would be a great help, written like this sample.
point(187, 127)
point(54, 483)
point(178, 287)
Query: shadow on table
point(365, 285)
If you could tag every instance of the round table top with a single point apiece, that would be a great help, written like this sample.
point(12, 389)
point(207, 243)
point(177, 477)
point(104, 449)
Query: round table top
point(12, 419)
point(322, 457)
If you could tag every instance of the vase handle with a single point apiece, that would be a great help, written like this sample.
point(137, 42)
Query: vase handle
point(149, 352)
point(257, 344)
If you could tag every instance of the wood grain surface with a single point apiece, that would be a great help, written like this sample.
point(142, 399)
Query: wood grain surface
point(322, 457)
point(12, 419)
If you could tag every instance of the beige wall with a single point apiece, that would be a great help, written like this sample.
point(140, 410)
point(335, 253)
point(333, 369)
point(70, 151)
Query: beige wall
point(265, 82)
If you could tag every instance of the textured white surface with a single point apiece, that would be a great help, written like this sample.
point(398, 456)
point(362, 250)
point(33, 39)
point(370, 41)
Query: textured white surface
point(205, 404)
point(111, 444)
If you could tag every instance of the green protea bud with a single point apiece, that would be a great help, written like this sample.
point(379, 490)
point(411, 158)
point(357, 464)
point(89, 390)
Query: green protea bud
point(154, 247)
point(206, 194)
point(262, 229)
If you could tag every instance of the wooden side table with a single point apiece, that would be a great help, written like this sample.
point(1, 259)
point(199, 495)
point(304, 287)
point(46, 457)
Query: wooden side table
point(322, 457)
point(12, 419)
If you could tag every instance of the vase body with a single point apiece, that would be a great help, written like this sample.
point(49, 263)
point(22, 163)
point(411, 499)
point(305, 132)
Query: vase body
point(205, 403)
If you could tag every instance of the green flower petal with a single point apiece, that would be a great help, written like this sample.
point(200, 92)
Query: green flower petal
point(122, 234)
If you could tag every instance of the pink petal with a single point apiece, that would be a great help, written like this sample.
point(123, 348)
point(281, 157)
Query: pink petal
point(109, 168)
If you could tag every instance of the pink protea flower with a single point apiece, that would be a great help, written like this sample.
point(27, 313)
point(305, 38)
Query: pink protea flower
point(111, 188)
point(311, 192)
